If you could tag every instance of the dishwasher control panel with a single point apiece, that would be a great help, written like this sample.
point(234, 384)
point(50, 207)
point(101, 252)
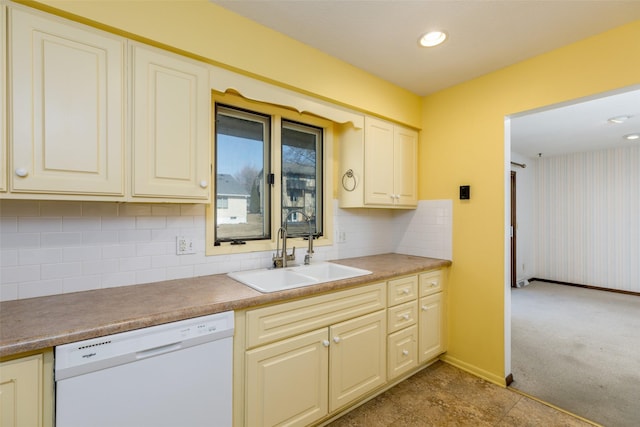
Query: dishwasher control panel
point(79, 357)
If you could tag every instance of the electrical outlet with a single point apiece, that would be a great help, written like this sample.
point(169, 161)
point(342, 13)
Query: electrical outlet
point(341, 236)
point(184, 245)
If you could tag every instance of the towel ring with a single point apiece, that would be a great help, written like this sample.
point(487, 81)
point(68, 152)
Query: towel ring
point(349, 175)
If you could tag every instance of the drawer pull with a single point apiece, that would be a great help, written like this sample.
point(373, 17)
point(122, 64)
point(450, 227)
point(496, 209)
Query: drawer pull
point(336, 340)
point(405, 352)
point(326, 343)
point(405, 291)
point(434, 284)
point(425, 308)
point(22, 172)
point(405, 316)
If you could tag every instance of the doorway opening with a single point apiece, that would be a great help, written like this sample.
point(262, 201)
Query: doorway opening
point(514, 229)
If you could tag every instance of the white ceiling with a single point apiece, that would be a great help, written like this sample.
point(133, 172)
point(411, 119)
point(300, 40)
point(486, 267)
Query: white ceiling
point(579, 126)
point(381, 37)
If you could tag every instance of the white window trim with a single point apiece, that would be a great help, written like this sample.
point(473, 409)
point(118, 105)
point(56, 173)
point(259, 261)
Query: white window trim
point(276, 199)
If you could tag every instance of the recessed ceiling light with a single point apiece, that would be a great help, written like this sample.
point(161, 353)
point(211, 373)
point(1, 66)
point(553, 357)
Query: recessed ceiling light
point(632, 136)
point(618, 119)
point(432, 38)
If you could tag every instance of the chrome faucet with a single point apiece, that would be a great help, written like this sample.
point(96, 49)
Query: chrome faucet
point(280, 258)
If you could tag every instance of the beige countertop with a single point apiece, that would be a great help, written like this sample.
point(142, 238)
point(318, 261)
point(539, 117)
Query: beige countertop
point(38, 323)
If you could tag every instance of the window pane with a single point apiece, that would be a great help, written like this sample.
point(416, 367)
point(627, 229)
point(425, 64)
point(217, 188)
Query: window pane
point(301, 177)
point(242, 157)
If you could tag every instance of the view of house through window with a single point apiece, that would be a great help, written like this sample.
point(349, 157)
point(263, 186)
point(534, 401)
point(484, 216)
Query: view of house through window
point(301, 178)
point(245, 176)
point(242, 169)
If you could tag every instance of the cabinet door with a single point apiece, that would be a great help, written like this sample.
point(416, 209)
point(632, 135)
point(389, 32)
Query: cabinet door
point(287, 382)
point(21, 392)
point(171, 105)
point(431, 342)
point(358, 358)
point(3, 91)
point(67, 107)
point(378, 162)
point(405, 179)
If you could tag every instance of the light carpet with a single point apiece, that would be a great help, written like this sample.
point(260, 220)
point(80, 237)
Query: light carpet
point(578, 349)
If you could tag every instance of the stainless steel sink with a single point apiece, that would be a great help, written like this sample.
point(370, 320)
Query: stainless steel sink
point(273, 280)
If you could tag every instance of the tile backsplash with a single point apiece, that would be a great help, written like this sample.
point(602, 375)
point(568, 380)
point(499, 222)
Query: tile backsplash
point(49, 247)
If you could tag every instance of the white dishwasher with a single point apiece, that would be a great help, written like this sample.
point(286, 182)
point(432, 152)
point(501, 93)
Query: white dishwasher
point(176, 374)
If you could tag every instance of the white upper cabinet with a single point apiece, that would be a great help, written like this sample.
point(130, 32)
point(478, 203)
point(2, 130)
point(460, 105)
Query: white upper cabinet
point(3, 99)
point(89, 122)
point(379, 163)
point(378, 166)
point(405, 171)
point(171, 102)
point(67, 102)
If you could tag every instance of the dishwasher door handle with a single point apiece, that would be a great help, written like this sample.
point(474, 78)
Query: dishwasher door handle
point(158, 350)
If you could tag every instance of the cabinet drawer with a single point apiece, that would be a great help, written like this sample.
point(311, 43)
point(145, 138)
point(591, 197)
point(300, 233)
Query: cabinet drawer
point(401, 316)
point(402, 351)
point(402, 290)
point(431, 282)
point(279, 321)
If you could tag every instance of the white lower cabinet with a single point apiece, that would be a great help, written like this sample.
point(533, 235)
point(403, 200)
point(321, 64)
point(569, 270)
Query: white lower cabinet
point(402, 318)
point(431, 337)
point(299, 363)
point(26, 391)
point(300, 380)
point(402, 348)
point(416, 321)
point(288, 381)
point(357, 358)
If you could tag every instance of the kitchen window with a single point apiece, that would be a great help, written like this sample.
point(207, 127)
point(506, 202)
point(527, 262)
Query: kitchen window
point(301, 150)
point(270, 171)
point(242, 171)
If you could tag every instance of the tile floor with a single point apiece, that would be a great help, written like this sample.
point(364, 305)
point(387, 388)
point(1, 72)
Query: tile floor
point(442, 395)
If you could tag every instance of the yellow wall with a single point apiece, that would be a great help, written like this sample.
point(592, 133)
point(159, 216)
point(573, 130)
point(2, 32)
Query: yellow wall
point(463, 143)
point(221, 37)
point(462, 140)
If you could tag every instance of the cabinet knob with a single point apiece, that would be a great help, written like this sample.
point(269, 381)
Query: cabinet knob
point(434, 284)
point(326, 343)
point(425, 308)
point(22, 172)
point(405, 352)
point(405, 291)
point(204, 184)
point(336, 339)
point(405, 316)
